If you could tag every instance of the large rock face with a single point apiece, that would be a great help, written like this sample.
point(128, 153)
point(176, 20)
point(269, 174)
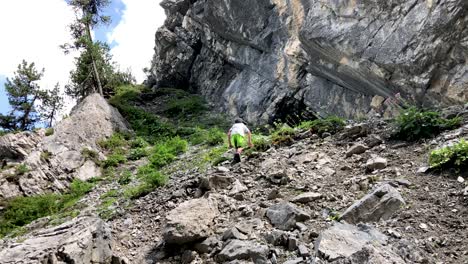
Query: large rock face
point(54, 161)
point(82, 240)
point(258, 58)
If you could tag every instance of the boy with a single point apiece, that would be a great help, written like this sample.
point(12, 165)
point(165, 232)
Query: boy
point(237, 135)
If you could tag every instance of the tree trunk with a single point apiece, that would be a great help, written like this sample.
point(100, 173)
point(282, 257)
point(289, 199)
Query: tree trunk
point(96, 73)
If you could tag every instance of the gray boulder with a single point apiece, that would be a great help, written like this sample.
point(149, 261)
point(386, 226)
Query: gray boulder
point(376, 163)
point(306, 197)
point(285, 215)
point(345, 243)
point(244, 250)
point(356, 149)
point(82, 240)
point(55, 160)
point(381, 203)
point(190, 221)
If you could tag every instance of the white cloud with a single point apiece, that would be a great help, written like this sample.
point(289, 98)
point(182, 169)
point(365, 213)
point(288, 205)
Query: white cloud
point(134, 35)
point(33, 30)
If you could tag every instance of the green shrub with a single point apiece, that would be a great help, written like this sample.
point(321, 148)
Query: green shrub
point(89, 154)
point(283, 135)
point(413, 124)
point(190, 105)
point(150, 179)
point(177, 93)
point(139, 142)
point(151, 176)
point(22, 169)
point(331, 124)
point(164, 153)
point(215, 155)
point(49, 131)
point(215, 136)
point(45, 156)
point(125, 178)
point(261, 143)
point(138, 153)
point(111, 193)
point(21, 211)
point(115, 141)
point(455, 156)
point(114, 159)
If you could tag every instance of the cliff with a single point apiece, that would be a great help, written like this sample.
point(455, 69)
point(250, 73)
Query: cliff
point(266, 59)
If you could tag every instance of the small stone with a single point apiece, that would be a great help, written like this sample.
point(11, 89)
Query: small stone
point(274, 194)
point(222, 169)
point(303, 251)
point(460, 179)
point(233, 233)
point(376, 163)
point(423, 170)
point(423, 226)
point(292, 243)
point(356, 149)
point(301, 227)
point(394, 233)
point(306, 197)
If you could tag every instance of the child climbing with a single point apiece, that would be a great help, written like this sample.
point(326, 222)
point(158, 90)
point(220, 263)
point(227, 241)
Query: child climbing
point(236, 138)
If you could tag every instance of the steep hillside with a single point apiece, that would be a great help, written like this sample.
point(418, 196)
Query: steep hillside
point(265, 59)
point(316, 192)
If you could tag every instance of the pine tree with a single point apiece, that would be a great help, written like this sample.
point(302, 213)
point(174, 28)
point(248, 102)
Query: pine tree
point(81, 79)
point(23, 94)
point(52, 103)
point(89, 15)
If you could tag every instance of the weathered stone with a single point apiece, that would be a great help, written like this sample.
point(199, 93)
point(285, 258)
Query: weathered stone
point(55, 160)
point(285, 215)
point(356, 149)
point(237, 187)
point(233, 233)
point(208, 245)
point(248, 250)
point(279, 177)
point(306, 197)
point(376, 163)
point(342, 241)
point(216, 182)
point(373, 140)
point(190, 221)
point(303, 251)
point(82, 240)
point(382, 203)
point(16, 146)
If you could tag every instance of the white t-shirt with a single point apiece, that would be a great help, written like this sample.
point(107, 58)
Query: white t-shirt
point(240, 129)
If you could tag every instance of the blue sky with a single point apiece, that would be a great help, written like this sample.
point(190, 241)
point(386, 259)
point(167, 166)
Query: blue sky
point(130, 36)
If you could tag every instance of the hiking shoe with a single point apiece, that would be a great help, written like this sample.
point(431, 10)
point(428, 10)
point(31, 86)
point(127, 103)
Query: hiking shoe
point(237, 158)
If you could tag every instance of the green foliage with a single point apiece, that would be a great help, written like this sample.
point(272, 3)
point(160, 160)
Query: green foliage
point(114, 159)
point(22, 169)
point(261, 143)
point(45, 155)
point(146, 125)
point(150, 179)
point(138, 153)
point(49, 131)
point(151, 176)
point(455, 156)
point(90, 155)
point(115, 141)
point(24, 96)
point(212, 137)
point(125, 178)
point(413, 124)
point(139, 142)
point(189, 105)
point(215, 155)
point(111, 193)
point(331, 124)
point(283, 135)
point(166, 152)
point(21, 211)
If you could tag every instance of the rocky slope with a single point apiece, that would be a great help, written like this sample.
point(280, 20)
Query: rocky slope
point(52, 162)
point(352, 197)
point(264, 59)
